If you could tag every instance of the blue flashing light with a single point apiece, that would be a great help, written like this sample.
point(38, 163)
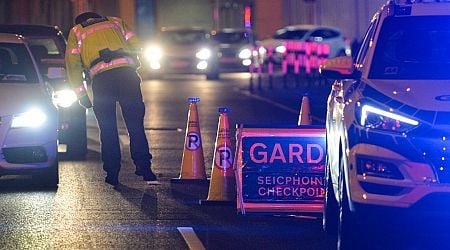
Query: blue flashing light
point(224, 110)
point(193, 99)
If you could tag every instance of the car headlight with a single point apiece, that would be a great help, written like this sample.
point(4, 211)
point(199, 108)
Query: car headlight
point(153, 53)
point(372, 117)
point(31, 119)
point(280, 49)
point(203, 54)
point(64, 98)
point(245, 54)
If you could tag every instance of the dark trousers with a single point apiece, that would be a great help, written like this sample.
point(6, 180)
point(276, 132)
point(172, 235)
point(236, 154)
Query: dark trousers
point(120, 85)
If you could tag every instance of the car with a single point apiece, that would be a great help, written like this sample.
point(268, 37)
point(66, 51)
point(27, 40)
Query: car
point(235, 49)
point(388, 121)
point(339, 45)
point(48, 46)
point(177, 50)
point(28, 115)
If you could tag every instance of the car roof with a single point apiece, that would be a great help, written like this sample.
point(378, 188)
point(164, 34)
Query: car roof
point(233, 30)
point(11, 38)
point(30, 29)
point(307, 27)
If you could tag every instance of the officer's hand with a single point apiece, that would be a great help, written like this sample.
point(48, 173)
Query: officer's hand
point(85, 102)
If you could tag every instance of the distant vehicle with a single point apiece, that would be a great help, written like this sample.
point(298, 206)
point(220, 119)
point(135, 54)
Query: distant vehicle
point(180, 51)
point(308, 33)
point(48, 46)
point(28, 116)
point(235, 49)
point(388, 122)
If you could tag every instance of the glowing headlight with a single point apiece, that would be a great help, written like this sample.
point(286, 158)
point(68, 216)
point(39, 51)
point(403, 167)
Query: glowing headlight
point(376, 118)
point(32, 119)
point(245, 54)
point(280, 49)
point(203, 54)
point(64, 98)
point(153, 53)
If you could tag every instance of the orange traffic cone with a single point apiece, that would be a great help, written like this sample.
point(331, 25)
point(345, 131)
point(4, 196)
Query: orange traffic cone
point(222, 187)
point(304, 117)
point(193, 163)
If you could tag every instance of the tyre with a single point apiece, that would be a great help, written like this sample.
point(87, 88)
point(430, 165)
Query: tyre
point(348, 228)
point(331, 208)
point(77, 141)
point(48, 177)
point(212, 76)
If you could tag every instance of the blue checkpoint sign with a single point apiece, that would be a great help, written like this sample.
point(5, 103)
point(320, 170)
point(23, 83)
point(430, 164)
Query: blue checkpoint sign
point(283, 166)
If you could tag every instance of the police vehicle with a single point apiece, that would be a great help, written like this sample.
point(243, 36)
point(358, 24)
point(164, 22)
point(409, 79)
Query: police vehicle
point(388, 118)
point(28, 115)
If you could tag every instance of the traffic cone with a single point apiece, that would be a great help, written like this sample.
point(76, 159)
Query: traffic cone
point(305, 117)
point(193, 162)
point(222, 187)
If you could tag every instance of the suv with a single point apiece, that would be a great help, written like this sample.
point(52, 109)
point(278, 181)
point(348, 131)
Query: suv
point(235, 49)
point(181, 51)
point(48, 46)
point(332, 36)
point(388, 119)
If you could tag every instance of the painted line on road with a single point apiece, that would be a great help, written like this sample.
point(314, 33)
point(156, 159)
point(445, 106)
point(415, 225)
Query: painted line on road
point(191, 238)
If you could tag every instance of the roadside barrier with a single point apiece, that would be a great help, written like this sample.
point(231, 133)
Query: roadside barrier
point(300, 61)
point(222, 187)
point(305, 117)
point(193, 162)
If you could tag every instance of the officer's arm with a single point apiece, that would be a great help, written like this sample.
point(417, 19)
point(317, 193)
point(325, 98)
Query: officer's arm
point(74, 65)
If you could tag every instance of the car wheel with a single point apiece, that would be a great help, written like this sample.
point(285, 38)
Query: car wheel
point(331, 208)
point(48, 177)
point(348, 227)
point(212, 76)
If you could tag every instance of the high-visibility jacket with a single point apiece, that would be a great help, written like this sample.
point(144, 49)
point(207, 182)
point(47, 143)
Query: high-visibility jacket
point(87, 39)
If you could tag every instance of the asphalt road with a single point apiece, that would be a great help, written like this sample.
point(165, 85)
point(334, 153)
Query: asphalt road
point(86, 213)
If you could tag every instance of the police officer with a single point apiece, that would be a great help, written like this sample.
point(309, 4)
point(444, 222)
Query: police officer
point(106, 49)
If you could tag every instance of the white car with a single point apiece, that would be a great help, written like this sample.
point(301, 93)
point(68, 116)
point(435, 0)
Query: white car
point(388, 121)
point(28, 116)
point(308, 33)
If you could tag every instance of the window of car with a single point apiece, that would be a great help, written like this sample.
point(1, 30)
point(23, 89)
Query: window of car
point(183, 36)
point(413, 47)
point(52, 49)
point(325, 33)
point(286, 34)
point(232, 37)
point(368, 38)
point(16, 65)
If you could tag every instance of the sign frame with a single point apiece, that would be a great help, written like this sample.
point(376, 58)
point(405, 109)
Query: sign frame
point(271, 133)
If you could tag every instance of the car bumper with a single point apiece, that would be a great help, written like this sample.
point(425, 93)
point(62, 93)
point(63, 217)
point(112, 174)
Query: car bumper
point(418, 183)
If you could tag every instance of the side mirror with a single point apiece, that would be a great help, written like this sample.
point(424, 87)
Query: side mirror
point(339, 68)
point(56, 73)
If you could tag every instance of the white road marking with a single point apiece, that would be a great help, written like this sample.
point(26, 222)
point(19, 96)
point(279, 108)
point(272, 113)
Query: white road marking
point(191, 238)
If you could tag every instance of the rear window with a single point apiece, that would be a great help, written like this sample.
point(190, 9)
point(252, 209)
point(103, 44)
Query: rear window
point(16, 65)
point(413, 47)
point(48, 47)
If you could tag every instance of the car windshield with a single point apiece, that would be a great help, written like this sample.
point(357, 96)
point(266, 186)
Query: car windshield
point(47, 46)
point(16, 65)
point(290, 34)
point(413, 48)
point(232, 37)
point(183, 37)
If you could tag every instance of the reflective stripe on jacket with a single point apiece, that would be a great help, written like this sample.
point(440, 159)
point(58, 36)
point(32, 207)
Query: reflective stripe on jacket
point(87, 39)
